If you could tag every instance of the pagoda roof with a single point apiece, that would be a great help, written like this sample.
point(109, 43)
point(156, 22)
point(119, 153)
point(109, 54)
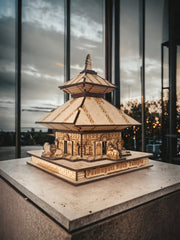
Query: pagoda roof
point(88, 83)
point(87, 114)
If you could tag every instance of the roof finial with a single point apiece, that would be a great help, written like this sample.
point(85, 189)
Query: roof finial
point(88, 63)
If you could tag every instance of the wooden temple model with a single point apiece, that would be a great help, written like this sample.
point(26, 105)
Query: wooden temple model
point(88, 142)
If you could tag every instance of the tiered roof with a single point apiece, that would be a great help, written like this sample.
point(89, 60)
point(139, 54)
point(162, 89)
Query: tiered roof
point(87, 110)
point(87, 82)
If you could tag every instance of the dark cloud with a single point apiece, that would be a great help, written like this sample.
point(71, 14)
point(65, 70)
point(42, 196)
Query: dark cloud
point(7, 40)
point(92, 9)
point(6, 102)
point(39, 109)
point(7, 86)
point(7, 118)
point(40, 74)
point(42, 108)
point(43, 48)
point(34, 110)
point(154, 28)
point(7, 72)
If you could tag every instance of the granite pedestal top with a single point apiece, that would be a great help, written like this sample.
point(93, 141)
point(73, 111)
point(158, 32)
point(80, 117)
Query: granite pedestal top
point(74, 207)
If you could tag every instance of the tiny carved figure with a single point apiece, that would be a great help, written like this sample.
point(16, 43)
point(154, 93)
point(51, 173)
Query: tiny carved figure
point(47, 151)
point(98, 149)
point(112, 152)
point(58, 153)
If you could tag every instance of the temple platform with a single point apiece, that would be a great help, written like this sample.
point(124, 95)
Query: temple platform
point(81, 171)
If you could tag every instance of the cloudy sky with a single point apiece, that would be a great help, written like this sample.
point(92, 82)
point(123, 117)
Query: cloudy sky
point(43, 52)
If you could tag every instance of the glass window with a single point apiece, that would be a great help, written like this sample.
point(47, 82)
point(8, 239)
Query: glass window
point(42, 66)
point(7, 79)
point(153, 38)
point(130, 81)
point(87, 35)
point(165, 102)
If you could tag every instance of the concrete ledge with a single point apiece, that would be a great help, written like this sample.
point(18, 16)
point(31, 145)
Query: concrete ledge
point(21, 220)
point(158, 219)
point(76, 207)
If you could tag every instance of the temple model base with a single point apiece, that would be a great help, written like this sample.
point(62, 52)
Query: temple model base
point(82, 171)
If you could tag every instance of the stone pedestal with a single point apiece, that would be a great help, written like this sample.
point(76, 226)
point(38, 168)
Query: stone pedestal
point(137, 205)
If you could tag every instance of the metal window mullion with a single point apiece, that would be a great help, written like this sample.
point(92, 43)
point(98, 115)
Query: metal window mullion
point(172, 79)
point(142, 50)
point(116, 16)
point(66, 44)
point(108, 43)
point(162, 101)
point(18, 77)
point(172, 100)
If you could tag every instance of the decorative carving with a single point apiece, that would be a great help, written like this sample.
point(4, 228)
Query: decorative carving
point(91, 144)
point(54, 168)
point(46, 148)
point(90, 173)
point(61, 145)
point(98, 148)
point(69, 148)
point(58, 153)
point(66, 137)
point(112, 152)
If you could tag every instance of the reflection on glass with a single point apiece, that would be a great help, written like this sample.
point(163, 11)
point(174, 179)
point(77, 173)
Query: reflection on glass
point(87, 35)
point(129, 51)
point(42, 66)
point(165, 103)
point(165, 67)
point(130, 85)
point(153, 38)
point(7, 79)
